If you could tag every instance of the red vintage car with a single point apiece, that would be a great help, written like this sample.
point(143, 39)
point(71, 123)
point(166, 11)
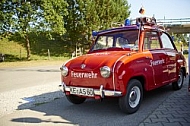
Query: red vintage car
point(123, 62)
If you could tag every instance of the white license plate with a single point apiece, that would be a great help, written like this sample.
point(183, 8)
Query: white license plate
point(82, 91)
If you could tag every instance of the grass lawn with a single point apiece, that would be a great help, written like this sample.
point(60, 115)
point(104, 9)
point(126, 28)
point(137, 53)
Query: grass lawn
point(15, 54)
point(31, 63)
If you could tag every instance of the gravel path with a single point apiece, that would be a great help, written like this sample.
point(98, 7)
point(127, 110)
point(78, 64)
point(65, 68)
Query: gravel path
point(28, 97)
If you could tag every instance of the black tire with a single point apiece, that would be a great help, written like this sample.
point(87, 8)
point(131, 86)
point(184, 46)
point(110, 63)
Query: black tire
point(179, 83)
point(75, 99)
point(131, 101)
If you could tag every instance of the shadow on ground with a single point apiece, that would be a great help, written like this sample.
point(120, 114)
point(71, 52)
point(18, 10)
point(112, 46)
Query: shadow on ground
point(94, 112)
point(37, 100)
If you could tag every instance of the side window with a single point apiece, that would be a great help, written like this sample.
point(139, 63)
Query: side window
point(166, 42)
point(151, 41)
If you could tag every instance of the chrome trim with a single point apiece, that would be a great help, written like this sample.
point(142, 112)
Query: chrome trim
point(61, 87)
point(101, 92)
point(83, 66)
point(179, 61)
point(108, 93)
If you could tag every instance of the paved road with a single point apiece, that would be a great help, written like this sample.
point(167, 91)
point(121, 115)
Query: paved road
point(17, 78)
point(27, 86)
point(161, 107)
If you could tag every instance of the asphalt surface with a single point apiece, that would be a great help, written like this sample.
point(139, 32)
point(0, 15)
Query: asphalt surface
point(160, 107)
point(17, 78)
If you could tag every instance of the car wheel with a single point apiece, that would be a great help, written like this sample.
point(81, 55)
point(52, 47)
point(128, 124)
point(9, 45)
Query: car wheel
point(179, 83)
point(131, 101)
point(75, 99)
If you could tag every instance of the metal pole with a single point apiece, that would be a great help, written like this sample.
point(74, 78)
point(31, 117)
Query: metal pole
point(48, 54)
point(189, 64)
point(20, 52)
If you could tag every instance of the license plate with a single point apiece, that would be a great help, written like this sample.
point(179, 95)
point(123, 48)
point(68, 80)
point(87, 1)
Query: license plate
point(82, 91)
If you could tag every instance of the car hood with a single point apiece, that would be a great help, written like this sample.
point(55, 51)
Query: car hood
point(95, 60)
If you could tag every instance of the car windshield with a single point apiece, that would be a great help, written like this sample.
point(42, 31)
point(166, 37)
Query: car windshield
point(123, 40)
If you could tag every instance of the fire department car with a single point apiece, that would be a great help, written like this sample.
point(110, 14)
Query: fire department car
point(124, 62)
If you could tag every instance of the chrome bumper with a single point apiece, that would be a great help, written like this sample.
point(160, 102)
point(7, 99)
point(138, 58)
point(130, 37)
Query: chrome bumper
point(100, 92)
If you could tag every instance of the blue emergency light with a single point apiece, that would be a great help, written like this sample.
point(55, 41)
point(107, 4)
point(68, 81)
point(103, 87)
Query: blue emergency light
point(94, 33)
point(127, 22)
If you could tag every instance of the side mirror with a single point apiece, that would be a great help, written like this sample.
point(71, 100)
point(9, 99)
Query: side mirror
point(173, 38)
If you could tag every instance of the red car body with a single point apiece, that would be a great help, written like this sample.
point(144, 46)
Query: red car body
point(123, 62)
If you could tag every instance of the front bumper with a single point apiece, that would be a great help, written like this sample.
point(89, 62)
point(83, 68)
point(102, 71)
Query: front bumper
point(97, 92)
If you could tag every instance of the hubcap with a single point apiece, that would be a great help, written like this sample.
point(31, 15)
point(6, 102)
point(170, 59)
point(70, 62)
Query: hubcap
point(134, 97)
point(180, 79)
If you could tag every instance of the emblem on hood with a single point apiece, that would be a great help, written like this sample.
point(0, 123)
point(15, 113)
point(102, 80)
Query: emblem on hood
point(83, 66)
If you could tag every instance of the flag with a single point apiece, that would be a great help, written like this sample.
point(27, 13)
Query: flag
point(142, 11)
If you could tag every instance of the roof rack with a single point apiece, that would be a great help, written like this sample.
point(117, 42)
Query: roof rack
point(146, 21)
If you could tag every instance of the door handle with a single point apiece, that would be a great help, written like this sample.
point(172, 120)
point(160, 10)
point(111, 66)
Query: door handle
point(147, 57)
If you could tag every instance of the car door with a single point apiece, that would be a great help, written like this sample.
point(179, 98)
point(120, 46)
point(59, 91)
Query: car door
point(158, 61)
point(172, 53)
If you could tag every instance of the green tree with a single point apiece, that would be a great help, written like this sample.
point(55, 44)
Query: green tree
point(88, 15)
point(25, 16)
point(182, 38)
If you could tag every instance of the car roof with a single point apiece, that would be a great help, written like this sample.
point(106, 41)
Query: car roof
point(145, 22)
point(131, 27)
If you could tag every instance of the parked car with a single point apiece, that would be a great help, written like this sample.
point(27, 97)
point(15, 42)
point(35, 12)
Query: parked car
point(186, 51)
point(2, 57)
point(124, 62)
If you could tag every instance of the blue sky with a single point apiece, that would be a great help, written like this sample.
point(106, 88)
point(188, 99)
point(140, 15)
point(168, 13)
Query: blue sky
point(170, 9)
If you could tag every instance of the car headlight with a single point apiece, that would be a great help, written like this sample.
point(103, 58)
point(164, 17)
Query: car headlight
point(105, 71)
point(64, 71)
